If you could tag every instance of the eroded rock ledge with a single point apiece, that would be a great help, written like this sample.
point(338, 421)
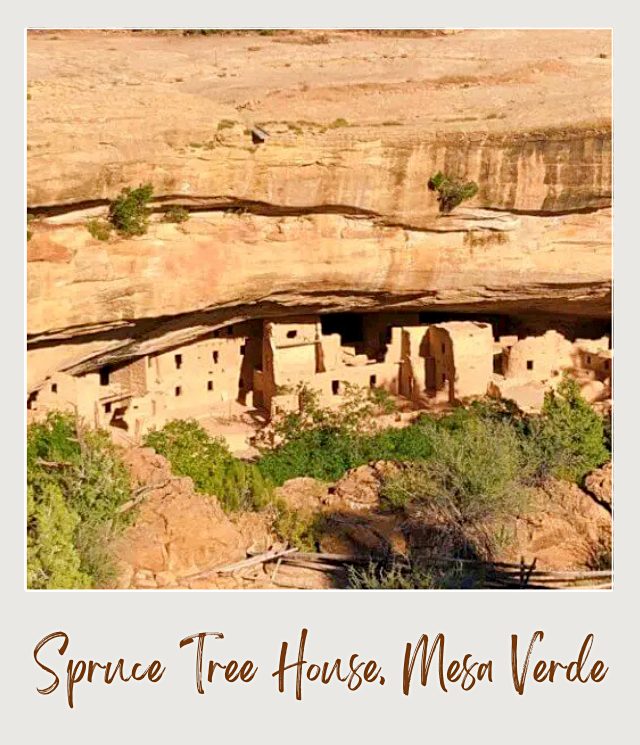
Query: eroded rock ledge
point(91, 302)
point(337, 215)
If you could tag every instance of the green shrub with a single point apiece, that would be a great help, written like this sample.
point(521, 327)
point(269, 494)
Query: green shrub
point(398, 577)
point(76, 484)
point(99, 229)
point(451, 193)
point(473, 471)
point(323, 453)
point(298, 529)
point(339, 123)
point(207, 461)
point(128, 213)
point(568, 439)
point(324, 443)
point(53, 561)
point(176, 214)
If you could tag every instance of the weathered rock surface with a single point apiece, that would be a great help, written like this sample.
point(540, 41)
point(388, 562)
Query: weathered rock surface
point(304, 495)
point(359, 488)
point(89, 300)
point(355, 121)
point(338, 213)
point(598, 484)
point(178, 532)
point(565, 528)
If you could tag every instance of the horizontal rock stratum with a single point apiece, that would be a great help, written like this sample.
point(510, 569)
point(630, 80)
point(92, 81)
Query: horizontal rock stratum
point(332, 212)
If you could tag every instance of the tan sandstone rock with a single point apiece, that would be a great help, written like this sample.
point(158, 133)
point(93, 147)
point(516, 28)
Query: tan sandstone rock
point(338, 216)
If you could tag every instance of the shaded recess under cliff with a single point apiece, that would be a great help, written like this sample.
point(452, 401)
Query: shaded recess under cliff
point(332, 213)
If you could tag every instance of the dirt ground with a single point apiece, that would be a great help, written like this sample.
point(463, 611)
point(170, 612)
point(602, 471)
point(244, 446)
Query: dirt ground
point(169, 84)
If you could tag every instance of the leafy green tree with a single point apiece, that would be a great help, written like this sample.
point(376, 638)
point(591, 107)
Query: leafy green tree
point(76, 484)
point(569, 438)
point(53, 560)
point(207, 461)
point(451, 192)
point(128, 212)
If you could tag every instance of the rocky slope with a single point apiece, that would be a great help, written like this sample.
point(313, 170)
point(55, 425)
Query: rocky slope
point(336, 213)
point(179, 535)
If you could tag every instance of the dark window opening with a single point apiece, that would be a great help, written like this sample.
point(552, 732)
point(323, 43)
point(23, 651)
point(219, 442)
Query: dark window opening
point(529, 364)
point(178, 359)
point(117, 420)
point(32, 399)
point(350, 326)
point(104, 376)
point(372, 381)
point(210, 385)
point(335, 387)
point(229, 330)
point(216, 357)
point(178, 390)
point(107, 408)
point(54, 387)
point(243, 348)
point(292, 334)
point(497, 364)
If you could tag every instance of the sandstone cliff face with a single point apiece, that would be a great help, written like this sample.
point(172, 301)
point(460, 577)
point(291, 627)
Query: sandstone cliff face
point(338, 214)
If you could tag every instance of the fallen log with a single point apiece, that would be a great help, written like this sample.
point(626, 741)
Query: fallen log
point(245, 563)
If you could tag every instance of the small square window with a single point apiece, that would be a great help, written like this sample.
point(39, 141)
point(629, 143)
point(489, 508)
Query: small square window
point(107, 408)
point(178, 360)
point(178, 390)
point(54, 387)
point(372, 381)
point(210, 385)
point(216, 357)
point(292, 334)
point(335, 387)
point(529, 364)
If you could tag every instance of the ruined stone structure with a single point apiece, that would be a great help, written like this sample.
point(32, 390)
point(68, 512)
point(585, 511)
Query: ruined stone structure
point(321, 248)
point(260, 365)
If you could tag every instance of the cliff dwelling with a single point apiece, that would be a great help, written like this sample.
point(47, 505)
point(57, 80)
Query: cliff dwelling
point(222, 222)
point(251, 371)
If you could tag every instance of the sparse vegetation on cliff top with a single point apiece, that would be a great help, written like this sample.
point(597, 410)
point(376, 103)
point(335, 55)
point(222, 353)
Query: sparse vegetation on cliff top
point(99, 229)
point(128, 213)
point(451, 192)
point(176, 214)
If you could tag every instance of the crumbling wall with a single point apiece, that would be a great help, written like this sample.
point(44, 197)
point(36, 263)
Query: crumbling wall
point(539, 357)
